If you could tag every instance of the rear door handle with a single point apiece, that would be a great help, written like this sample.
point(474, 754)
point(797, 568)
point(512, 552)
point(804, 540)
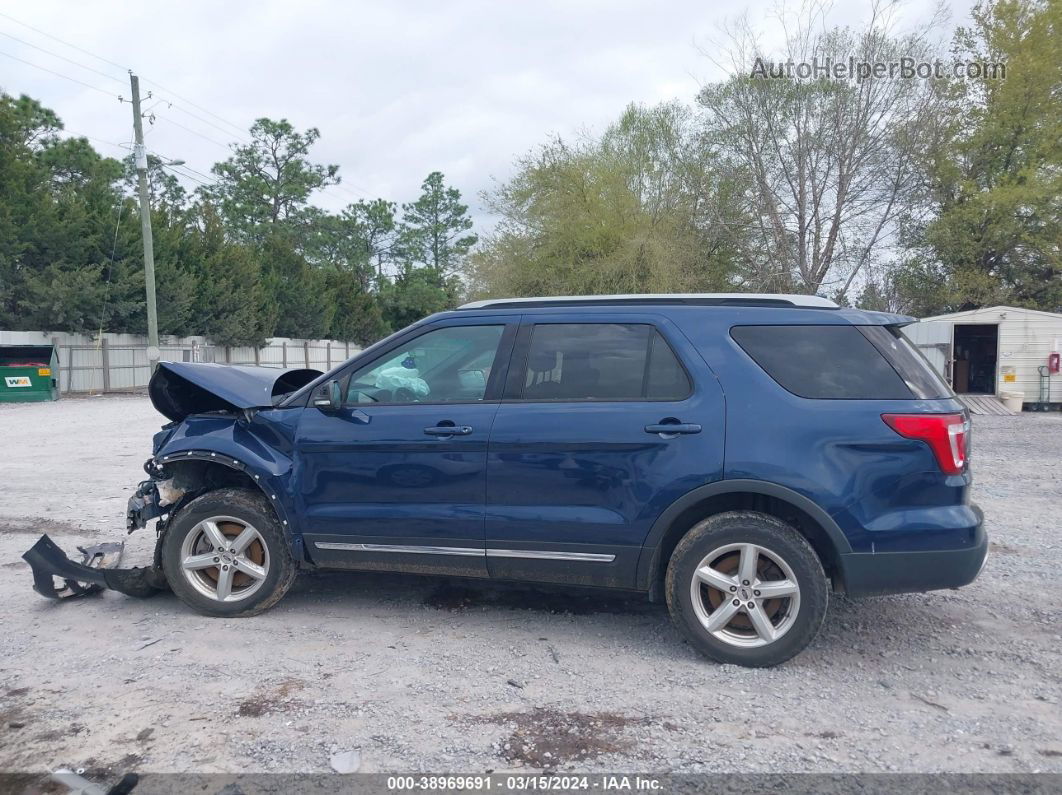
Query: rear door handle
point(671, 430)
point(449, 430)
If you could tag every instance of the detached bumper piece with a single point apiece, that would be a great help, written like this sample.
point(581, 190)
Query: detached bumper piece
point(95, 572)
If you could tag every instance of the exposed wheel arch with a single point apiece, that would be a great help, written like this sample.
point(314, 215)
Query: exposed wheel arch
point(200, 472)
point(811, 521)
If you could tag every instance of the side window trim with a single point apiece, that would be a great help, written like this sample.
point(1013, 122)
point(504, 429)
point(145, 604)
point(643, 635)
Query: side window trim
point(514, 385)
point(492, 394)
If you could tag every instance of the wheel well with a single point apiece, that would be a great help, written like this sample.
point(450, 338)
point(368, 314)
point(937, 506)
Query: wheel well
point(203, 476)
point(747, 501)
point(196, 476)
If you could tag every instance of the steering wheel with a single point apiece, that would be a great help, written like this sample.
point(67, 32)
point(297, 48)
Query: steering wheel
point(404, 395)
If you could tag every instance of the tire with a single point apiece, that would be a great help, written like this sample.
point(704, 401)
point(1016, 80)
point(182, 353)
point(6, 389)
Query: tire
point(762, 629)
point(242, 584)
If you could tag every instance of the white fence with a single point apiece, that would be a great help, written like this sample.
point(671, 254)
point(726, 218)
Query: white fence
point(119, 363)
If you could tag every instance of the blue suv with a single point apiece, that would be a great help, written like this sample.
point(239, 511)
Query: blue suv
point(737, 456)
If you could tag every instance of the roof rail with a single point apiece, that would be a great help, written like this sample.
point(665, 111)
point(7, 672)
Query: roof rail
point(689, 299)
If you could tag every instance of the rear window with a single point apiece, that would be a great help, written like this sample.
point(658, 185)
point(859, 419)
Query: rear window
point(823, 362)
point(915, 370)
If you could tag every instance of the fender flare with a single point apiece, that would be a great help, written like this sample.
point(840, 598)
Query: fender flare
point(649, 558)
point(261, 479)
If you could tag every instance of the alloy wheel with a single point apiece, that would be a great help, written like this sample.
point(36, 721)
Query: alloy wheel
point(224, 559)
point(745, 595)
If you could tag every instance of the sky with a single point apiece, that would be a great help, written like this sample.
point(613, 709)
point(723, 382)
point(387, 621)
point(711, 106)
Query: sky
point(397, 89)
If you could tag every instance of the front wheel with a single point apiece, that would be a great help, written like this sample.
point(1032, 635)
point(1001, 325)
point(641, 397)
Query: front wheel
point(746, 588)
point(225, 554)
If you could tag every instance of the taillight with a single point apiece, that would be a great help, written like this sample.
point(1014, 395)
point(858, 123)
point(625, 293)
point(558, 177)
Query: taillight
point(946, 434)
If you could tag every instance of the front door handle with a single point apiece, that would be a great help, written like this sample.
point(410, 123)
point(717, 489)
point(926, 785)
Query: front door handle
point(669, 430)
point(449, 430)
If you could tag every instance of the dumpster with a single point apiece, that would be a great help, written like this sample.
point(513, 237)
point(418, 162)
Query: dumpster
point(28, 372)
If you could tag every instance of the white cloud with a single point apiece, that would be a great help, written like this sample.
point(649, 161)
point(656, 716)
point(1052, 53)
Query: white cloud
point(397, 89)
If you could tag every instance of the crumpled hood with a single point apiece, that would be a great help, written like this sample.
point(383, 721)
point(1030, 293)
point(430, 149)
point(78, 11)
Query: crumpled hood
point(178, 389)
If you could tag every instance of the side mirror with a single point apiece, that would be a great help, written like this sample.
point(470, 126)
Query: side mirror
point(328, 396)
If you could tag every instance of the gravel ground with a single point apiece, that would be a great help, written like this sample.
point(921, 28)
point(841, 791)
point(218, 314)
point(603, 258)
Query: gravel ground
point(422, 674)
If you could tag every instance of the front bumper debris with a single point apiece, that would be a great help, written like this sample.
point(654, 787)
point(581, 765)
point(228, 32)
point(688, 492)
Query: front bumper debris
point(95, 572)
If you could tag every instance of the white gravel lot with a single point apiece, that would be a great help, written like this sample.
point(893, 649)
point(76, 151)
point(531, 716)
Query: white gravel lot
point(422, 674)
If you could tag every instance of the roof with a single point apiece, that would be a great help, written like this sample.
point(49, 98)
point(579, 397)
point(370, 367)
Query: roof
point(692, 299)
point(997, 309)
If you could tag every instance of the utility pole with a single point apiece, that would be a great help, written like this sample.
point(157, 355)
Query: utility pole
point(140, 157)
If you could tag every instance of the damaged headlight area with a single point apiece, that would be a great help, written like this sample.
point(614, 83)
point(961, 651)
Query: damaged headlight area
point(152, 497)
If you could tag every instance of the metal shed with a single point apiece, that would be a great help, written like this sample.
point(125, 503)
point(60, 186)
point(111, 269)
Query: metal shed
point(996, 349)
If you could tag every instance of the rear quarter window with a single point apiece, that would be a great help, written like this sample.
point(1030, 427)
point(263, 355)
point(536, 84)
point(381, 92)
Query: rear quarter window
point(822, 362)
point(908, 361)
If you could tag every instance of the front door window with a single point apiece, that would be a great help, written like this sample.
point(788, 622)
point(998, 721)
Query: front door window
point(448, 365)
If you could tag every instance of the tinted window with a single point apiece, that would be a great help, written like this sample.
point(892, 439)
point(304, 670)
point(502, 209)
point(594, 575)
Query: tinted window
point(666, 380)
point(908, 361)
point(822, 361)
point(448, 364)
point(601, 361)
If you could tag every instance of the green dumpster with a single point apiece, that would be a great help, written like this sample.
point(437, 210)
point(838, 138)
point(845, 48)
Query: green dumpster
point(28, 372)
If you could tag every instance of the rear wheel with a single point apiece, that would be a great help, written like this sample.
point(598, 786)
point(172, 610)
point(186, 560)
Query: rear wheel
point(225, 554)
point(746, 588)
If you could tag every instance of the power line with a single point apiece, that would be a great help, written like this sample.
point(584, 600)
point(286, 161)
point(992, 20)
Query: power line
point(172, 105)
point(58, 74)
point(193, 132)
point(185, 166)
point(77, 134)
point(65, 43)
point(343, 188)
point(61, 57)
point(186, 176)
point(175, 106)
point(197, 107)
point(117, 66)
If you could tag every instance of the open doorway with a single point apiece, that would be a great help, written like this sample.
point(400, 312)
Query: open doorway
point(976, 348)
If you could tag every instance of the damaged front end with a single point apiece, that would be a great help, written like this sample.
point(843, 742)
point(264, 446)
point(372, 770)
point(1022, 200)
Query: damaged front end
point(56, 576)
point(94, 573)
point(178, 391)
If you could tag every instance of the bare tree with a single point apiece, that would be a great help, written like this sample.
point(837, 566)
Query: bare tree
point(828, 158)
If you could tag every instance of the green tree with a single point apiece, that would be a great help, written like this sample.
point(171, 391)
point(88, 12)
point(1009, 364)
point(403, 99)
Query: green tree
point(358, 316)
point(27, 210)
point(377, 230)
point(270, 180)
point(414, 295)
point(995, 172)
point(233, 304)
point(250, 258)
point(435, 231)
point(358, 240)
point(305, 306)
point(58, 204)
point(640, 209)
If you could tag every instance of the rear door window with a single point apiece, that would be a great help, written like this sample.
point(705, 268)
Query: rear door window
point(602, 361)
point(822, 362)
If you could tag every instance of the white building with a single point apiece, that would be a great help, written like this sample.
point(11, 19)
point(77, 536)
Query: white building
point(993, 350)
